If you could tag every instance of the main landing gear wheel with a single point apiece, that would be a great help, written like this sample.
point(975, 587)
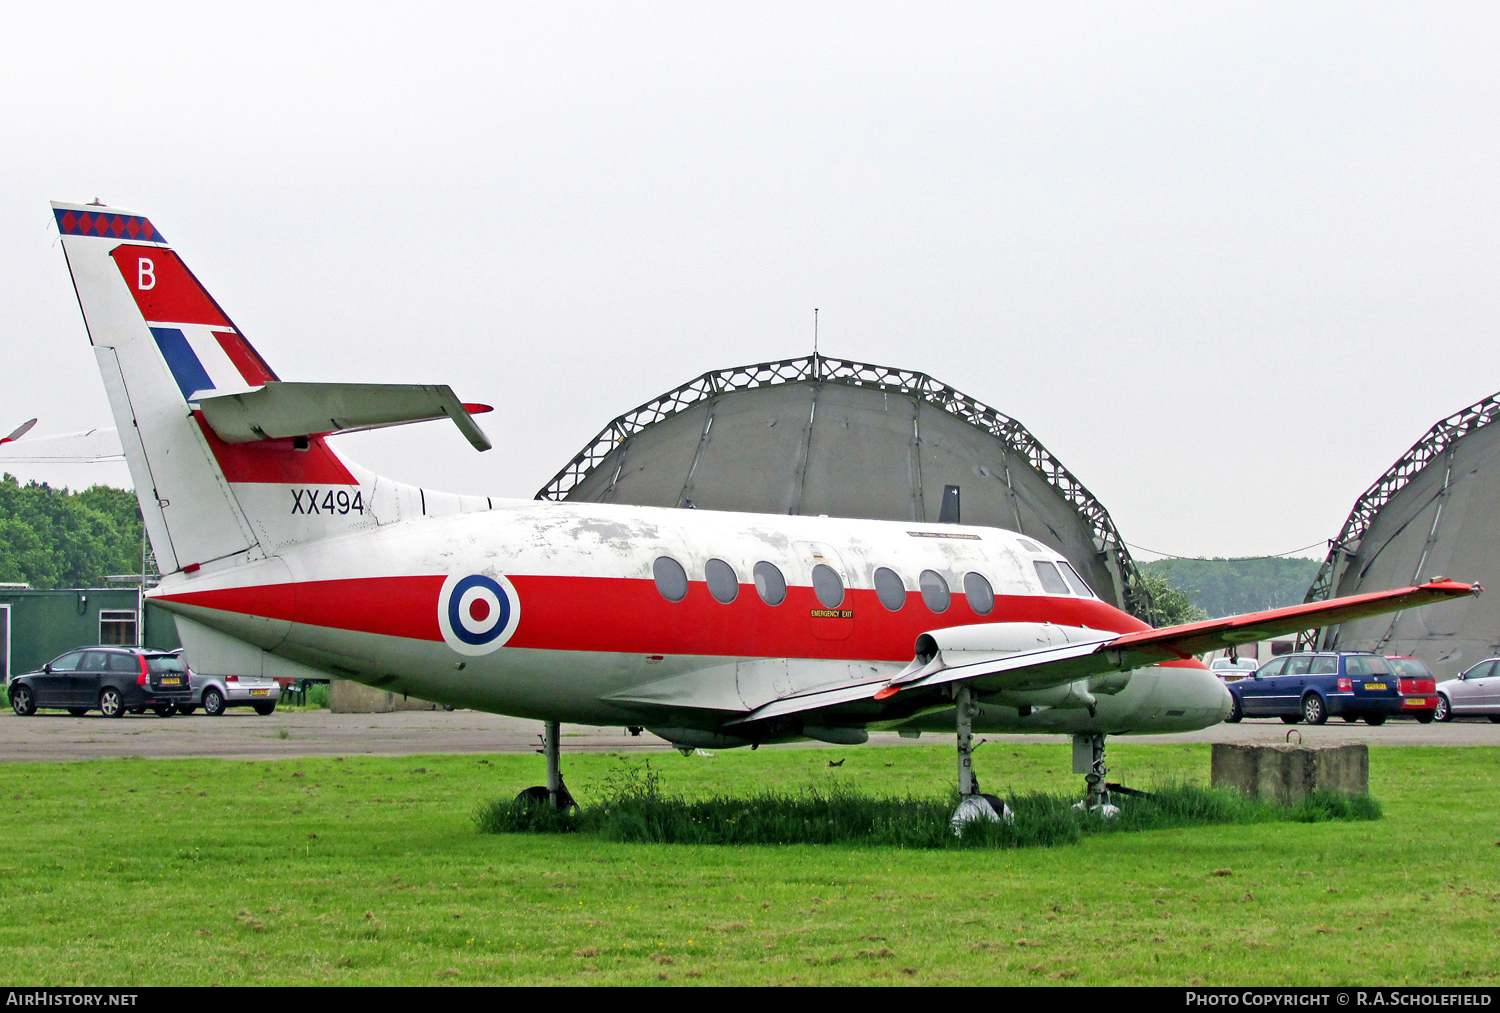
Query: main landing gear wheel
point(1444, 710)
point(78, 712)
point(186, 708)
point(1424, 717)
point(264, 709)
point(1374, 720)
point(554, 792)
point(1290, 719)
point(165, 712)
point(111, 704)
point(1313, 711)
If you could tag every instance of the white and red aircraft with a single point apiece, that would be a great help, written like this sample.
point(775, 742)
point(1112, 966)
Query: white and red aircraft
point(712, 629)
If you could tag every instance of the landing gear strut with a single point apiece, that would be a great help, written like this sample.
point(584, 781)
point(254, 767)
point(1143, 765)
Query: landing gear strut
point(1088, 760)
point(554, 792)
point(972, 804)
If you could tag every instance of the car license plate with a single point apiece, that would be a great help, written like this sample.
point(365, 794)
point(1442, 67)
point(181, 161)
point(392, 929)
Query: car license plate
point(1374, 685)
point(171, 682)
point(259, 692)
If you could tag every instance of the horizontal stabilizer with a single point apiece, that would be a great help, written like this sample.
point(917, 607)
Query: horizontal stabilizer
point(281, 410)
point(91, 447)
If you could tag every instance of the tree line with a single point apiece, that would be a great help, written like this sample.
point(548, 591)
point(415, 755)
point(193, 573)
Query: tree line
point(57, 538)
point(1227, 587)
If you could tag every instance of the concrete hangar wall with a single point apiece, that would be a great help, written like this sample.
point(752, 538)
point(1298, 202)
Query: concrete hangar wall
point(818, 435)
point(1432, 514)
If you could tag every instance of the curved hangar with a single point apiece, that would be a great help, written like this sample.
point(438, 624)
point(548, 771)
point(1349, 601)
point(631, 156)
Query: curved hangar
point(1432, 514)
point(846, 439)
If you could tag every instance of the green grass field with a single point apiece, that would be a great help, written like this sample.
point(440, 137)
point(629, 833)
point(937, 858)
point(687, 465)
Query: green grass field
point(371, 871)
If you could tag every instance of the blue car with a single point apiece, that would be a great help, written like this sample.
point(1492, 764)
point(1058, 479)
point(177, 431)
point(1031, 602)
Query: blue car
point(1310, 687)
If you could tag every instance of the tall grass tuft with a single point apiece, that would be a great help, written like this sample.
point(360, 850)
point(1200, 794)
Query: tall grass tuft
point(632, 807)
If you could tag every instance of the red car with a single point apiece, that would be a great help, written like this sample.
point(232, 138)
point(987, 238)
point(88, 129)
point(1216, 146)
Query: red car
point(1418, 688)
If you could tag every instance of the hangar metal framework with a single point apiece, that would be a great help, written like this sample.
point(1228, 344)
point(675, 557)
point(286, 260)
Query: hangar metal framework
point(1405, 523)
point(596, 469)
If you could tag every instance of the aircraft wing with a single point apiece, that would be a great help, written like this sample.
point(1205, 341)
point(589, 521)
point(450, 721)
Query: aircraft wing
point(1095, 653)
point(90, 447)
point(281, 409)
point(19, 431)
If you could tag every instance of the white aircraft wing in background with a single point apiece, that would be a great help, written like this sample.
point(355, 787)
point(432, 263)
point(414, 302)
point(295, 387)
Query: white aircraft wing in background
point(89, 447)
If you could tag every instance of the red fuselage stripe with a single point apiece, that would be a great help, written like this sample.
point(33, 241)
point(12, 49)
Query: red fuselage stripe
point(629, 616)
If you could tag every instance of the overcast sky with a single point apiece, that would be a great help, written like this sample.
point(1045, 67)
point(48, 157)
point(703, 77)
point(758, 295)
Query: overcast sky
point(1227, 262)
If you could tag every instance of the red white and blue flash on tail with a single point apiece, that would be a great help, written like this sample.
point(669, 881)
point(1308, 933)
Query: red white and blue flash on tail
point(201, 346)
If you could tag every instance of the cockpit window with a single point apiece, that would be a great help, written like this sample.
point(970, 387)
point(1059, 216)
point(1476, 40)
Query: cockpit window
point(1076, 582)
point(1052, 581)
point(671, 578)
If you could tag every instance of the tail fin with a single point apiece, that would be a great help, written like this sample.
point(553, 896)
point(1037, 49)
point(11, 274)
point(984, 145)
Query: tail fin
point(162, 341)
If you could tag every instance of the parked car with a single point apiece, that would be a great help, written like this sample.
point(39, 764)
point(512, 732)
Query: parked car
point(1230, 669)
point(1311, 687)
point(1474, 693)
point(1418, 688)
point(111, 680)
point(217, 693)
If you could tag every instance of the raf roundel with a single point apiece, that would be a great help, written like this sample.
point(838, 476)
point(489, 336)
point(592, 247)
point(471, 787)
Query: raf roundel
point(477, 614)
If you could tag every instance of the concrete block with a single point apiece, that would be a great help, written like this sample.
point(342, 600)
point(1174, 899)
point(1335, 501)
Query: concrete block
point(1289, 773)
point(348, 697)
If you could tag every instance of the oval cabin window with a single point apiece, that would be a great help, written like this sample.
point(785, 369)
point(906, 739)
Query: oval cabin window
point(828, 585)
point(671, 578)
point(890, 589)
point(979, 593)
point(723, 582)
point(769, 583)
point(935, 590)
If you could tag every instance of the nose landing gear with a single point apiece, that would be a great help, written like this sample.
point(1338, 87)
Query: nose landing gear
point(973, 805)
point(1088, 760)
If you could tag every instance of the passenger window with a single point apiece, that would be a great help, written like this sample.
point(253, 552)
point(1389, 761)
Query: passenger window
point(95, 661)
point(671, 578)
point(934, 590)
point(68, 662)
point(1298, 666)
point(827, 585)
point(1079, 587)
point(1052, 581)
point(723, 582)
point(1324, 666)
point(769, 583)
point(1273, 668)
point(124, 663)
point(1479, 671)
point(979, 593)
point(890, 589)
